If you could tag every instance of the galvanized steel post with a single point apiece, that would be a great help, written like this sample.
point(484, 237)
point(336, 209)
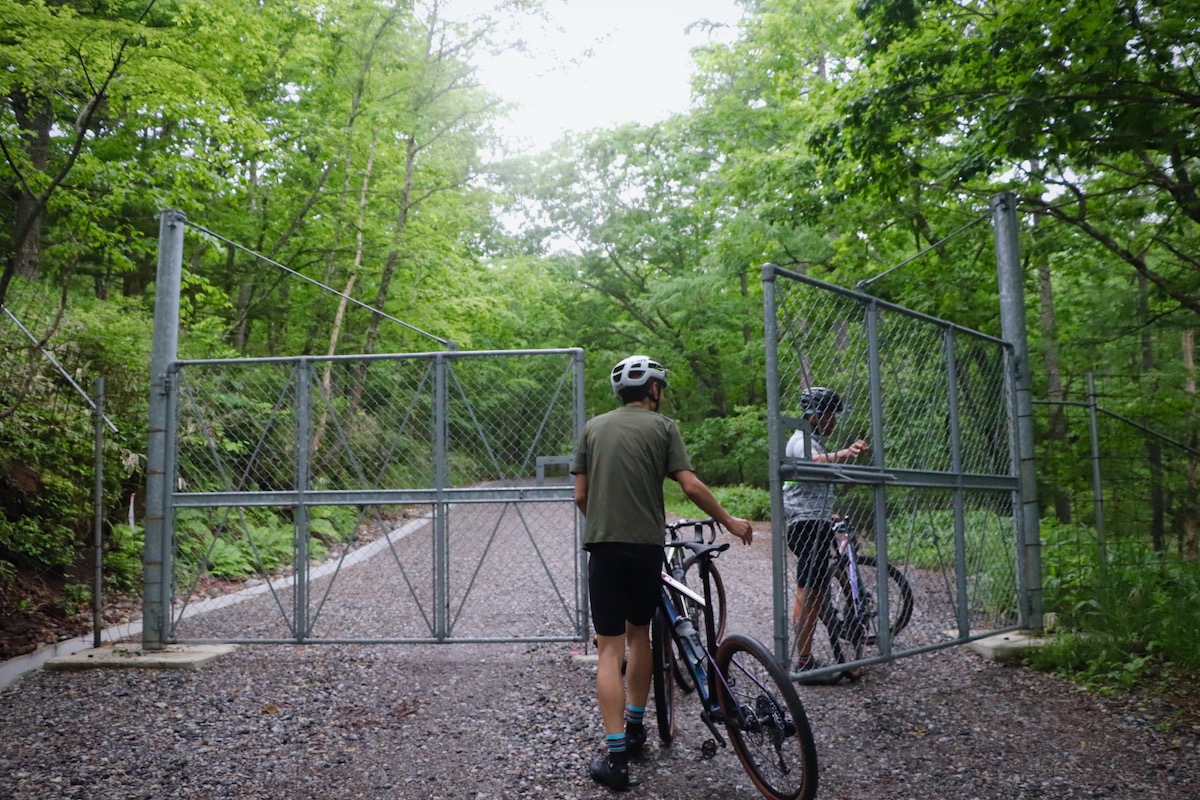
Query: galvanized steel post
point(301, 522)
point(775, 456)
point(583, 617)
point(156, 559)
point(98, 511)
point(1012, 322)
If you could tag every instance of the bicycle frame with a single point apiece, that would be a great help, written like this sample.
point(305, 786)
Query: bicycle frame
point(739, 682)
point(846, 545)
point(701, 665)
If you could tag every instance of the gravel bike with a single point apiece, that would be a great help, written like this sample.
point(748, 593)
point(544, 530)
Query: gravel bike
point(850, 609)
point(739, 683)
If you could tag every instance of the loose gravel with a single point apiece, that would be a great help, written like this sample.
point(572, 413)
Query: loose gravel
point(520, 721)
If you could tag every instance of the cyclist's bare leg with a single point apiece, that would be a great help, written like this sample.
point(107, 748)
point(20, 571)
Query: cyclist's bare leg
point(639, 670)
point(804, 618)
point(610, 688)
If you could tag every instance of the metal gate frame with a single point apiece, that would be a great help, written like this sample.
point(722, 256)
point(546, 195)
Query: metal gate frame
point(956, 480)
point(167, 492)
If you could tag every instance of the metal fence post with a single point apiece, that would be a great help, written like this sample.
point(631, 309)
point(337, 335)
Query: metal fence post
point(98, 511)
point(1012, 322)
point(879, 445)
point(441, 508)
point(301, 523)
point(1097, 479)
point(156, 596)
point(578, 359)
point(774, 454)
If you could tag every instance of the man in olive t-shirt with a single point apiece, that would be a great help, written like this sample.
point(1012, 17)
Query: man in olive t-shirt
point(619, 468)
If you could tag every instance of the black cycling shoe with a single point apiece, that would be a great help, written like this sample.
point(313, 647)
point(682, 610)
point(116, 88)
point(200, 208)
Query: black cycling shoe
point(807, 664)
point(635, 739)
point(610, 772)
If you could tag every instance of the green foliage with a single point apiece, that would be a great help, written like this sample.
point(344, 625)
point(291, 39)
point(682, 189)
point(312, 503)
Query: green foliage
point(732, 449)
point(75, 598)
point(747, 502)
point(29, 541)
point(123, 557)
point(1121, 620)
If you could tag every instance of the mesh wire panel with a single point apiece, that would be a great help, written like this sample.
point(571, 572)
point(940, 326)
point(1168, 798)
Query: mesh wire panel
point(1115, 498)
point(235, 427)
point(337, 470)
point(372, 424)
point(932, 400)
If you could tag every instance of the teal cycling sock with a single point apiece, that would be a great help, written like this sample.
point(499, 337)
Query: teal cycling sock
point(633, 715)
point(615, 742)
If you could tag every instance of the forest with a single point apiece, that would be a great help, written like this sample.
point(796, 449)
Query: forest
point(352, 142)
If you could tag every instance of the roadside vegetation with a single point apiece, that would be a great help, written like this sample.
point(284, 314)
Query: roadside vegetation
point(347, 141)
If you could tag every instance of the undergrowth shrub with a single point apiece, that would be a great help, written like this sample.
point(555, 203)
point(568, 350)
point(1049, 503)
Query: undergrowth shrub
point(1121, 620)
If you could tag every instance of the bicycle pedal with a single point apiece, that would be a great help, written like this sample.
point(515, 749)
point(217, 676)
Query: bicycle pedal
point(708, 750)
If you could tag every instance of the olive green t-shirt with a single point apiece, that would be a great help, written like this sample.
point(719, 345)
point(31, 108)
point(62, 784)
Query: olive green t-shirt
point(626, 454)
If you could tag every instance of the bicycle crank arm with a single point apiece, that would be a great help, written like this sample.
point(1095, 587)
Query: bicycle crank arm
point(712, 726)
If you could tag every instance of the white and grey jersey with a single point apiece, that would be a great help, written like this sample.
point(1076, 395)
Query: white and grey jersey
point(804, 500)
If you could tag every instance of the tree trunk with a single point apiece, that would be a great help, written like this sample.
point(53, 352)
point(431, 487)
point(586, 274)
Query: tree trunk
point(1154, 452)
point(1191, 540)
point(35, 117)
point(335, 332)
point(1057, 432)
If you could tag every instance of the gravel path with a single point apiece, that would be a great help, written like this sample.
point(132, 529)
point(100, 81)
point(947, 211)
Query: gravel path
point(519, 721)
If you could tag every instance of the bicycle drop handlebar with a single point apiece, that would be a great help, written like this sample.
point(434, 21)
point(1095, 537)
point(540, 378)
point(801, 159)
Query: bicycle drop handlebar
point(699, 544)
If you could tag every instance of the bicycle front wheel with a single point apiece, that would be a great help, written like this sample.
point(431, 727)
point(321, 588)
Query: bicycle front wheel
point(767, 726)
point(663, 663)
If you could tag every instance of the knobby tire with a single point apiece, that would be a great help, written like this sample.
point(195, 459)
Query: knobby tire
point(767, 726)
point(664, 666)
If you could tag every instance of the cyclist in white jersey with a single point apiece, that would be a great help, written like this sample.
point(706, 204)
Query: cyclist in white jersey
point(808, 506)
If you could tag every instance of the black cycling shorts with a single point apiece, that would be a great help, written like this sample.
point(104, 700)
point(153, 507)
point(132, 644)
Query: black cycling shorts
point(623, 584)
point(811, 541)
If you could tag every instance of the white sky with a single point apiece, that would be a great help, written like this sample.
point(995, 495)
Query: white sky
point(598, 63)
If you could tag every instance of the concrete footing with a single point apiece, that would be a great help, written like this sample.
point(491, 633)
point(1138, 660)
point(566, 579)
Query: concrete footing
point(1007, 646)
point(129, 656)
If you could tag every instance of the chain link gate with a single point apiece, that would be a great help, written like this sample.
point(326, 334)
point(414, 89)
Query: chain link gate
point(940, 495)
point(392, 498)
point(415, 482)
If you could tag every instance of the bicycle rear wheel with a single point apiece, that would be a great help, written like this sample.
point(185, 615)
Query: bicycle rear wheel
point(664, 665)
point(900, 598)
point(767, 726)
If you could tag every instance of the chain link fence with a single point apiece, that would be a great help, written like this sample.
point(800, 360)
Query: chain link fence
point(434, 483)
point(1118, 493)
point(937, 494)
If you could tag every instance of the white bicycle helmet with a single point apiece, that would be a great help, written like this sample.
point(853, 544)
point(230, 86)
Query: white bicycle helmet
point(636, 371)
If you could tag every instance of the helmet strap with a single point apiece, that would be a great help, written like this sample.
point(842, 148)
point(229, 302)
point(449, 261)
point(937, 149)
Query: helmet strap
point(655, 397)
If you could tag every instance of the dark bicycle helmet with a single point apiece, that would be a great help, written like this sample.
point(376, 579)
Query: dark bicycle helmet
point(819, 400)
point(636, 371)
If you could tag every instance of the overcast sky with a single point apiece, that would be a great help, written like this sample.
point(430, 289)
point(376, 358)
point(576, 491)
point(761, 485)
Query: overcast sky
point(598, 63)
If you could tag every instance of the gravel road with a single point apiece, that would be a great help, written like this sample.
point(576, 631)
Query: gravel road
point(519, 721)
